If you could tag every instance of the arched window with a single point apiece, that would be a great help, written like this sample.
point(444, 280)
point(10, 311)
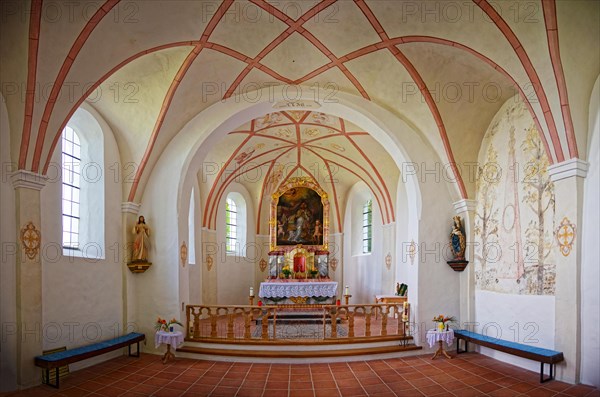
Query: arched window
point(367, 226)
point(192, 231)
point(82, 196)
point(231, 225)
point(71, 188)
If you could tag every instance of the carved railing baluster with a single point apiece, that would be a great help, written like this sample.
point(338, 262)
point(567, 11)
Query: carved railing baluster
point(230, 318)
point(213, 324)
point(384, 320)
point(368, 321)
point(333, 316)
point(265, 325)
point(351, 324)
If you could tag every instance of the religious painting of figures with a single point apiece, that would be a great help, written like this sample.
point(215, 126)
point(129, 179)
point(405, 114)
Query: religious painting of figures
point(300, 217)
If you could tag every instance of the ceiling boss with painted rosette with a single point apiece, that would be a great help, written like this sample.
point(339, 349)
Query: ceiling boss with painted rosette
point(444, 68)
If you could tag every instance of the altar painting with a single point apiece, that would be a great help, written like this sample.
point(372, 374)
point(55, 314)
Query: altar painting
point(300, 217)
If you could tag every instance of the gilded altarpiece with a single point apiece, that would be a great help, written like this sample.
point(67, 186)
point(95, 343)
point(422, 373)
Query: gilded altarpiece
point(299, 229)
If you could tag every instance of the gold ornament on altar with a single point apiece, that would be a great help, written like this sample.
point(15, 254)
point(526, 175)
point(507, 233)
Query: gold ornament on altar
point(209, 262)
point(183, 253)
point(31, 239)
point(299, 300)
point(262, 265)
point(565, 235)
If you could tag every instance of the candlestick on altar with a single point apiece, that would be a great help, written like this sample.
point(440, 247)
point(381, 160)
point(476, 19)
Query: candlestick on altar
point(347, 298)
point(251, 300)
point(347, 290)
point(252, 291)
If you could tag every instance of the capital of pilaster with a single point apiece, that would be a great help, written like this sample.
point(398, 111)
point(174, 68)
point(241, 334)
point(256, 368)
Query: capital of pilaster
point(569, 168)
point(129, 207)
point(465, 205)
point(28, 179)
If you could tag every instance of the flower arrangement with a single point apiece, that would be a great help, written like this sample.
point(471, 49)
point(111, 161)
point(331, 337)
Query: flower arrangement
point(443, 319)
point(286, 271)
point(163, 325)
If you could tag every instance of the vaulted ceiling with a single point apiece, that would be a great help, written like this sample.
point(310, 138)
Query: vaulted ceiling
point(149, 67)
point(265, 152)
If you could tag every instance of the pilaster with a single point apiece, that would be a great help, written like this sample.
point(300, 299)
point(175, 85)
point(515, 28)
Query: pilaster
point(568, 178)
point(466, 210)
point(27, 187)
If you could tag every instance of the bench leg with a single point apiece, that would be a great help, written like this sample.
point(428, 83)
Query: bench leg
point(56, 381)
point(137, 353)
point(458, 351)
point(550, 376)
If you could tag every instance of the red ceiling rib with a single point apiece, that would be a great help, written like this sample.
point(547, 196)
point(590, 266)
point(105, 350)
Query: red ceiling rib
point(62, 75)
point(262, 194)
point(384, 208)
point(297, 24)
point(218, 188)
point(531, 73)
point(294, 26)
point(210, 27)
point(100, 81)
point(35, 19)
point(367, 183)
point(549, 7)
point(219, 175)
point(335, 198)
point(161, 116)
point(387, 193)
point(414, 74)
point(231, 177)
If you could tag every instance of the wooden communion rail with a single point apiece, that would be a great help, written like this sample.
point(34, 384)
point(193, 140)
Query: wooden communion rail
point(296, 323)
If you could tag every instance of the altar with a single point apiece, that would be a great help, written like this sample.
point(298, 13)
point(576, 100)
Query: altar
point(294, 292)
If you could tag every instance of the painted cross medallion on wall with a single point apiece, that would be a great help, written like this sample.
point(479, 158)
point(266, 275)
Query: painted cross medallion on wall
point(565, 235)
point(30, 238)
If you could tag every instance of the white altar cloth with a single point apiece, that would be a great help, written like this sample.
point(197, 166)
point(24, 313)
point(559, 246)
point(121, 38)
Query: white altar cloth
point(168, 338)
point(302, 289)
point(434, 336)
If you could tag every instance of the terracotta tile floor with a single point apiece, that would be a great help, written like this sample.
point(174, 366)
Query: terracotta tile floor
point(471, 374)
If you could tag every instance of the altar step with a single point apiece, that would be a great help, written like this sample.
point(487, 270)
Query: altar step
point(292, 351)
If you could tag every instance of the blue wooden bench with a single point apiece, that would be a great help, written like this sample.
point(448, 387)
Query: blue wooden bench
point(544, 356)
point(60, 359)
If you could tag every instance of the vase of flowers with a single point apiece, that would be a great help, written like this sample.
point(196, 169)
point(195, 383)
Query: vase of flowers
point(442, 322)
point(164, 325)
point(286, 271)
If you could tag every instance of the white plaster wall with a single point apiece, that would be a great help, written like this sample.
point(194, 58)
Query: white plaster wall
point(363, 273)
point(82, 297)
point(235, 273)
point(8, 250)
point(590, 271)
point(407, 231)
point(195, 269)
point(527, 319)
point(438, 289)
